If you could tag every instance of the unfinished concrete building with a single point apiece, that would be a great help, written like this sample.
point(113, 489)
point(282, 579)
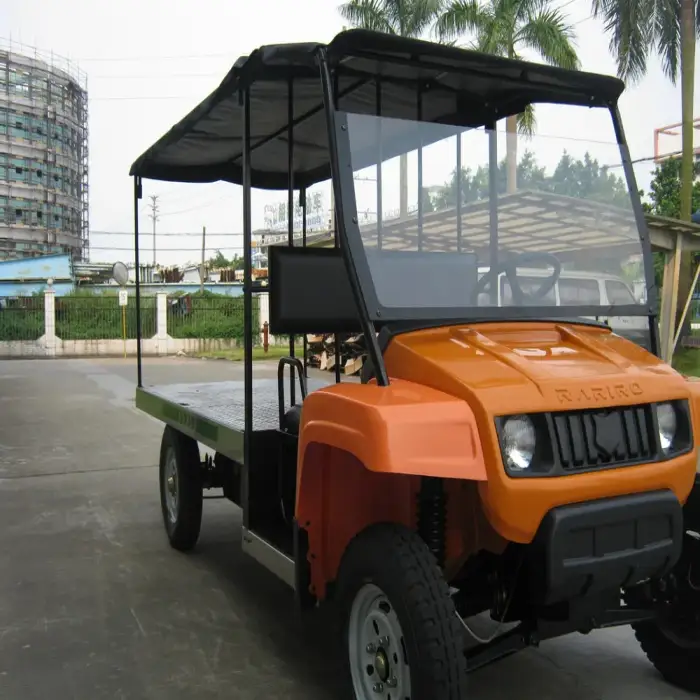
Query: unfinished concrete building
point(43, 156)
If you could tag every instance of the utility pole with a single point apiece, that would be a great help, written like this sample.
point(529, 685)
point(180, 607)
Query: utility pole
point(154, 217)
point(202, 268)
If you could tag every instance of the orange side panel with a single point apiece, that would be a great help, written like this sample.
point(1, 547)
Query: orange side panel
point(338, 499)
point(405, 428)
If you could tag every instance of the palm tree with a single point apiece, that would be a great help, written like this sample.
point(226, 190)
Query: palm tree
point(669, 28)
point(408, 18)
point(505, 28)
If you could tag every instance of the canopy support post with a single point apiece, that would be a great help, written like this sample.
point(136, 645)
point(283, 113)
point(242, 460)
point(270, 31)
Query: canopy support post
point(341, 198)
point(302, 204)
point(290, 213)
point(138, 193)
point(380, 159)
point(419, 117)
point(247, 313)
point(493, 211)
point(336, 337)
point(458, 182)
point(657, 347)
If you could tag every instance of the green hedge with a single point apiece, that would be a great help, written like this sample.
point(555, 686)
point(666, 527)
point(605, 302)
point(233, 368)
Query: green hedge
point(22, 319)
point(209, 315)
point(90, 316)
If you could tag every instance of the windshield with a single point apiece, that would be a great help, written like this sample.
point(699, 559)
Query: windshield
point(549, 228)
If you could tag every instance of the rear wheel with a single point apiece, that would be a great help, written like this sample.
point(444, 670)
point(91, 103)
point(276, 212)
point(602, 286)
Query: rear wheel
point(402, 636)
point(180, 489)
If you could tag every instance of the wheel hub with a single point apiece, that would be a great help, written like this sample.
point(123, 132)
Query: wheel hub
point(171, 496)
point(381, 665)
point(377, 651)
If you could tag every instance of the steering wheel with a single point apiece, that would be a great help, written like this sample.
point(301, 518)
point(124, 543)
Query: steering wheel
point(509, 267)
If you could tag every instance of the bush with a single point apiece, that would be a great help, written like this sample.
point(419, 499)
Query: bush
point(22, 319)
point(91, 316)
point(208, 315)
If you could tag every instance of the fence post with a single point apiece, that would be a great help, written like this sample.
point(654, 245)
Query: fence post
point(161, 315)
point(263, 316)
point(50, 321)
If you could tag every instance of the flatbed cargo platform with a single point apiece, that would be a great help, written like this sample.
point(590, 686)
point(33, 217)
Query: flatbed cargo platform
point(213, 412)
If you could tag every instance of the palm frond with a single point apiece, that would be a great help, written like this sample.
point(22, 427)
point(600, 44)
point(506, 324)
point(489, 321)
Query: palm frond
point(527, 122)
point(422, 14)
point(667, 37)
point(631, 26)
point(367, 14)
point(524, 9)
point(459, 17)
point(549, 35)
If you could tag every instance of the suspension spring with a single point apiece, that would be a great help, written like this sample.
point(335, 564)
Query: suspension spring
point(432, 516)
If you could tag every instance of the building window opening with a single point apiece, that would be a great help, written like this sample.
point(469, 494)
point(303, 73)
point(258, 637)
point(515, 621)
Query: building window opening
point(18, 170)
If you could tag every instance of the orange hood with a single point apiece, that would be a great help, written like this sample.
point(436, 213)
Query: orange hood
point(517, 367)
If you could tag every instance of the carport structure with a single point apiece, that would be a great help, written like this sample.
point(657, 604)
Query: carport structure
point(672, 237)
point(531, 221)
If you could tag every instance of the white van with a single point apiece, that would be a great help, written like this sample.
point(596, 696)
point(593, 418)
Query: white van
point(580, 289)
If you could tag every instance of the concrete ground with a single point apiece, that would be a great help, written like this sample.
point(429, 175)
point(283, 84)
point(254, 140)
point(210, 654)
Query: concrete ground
point(94, 604)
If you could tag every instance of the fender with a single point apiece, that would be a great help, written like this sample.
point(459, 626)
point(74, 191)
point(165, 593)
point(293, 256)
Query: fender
point(405, 428)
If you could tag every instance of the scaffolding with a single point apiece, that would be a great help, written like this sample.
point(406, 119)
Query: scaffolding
point(44, 156)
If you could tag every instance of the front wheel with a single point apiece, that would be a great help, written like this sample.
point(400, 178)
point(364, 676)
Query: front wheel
point(402, 635)
point(672, 642)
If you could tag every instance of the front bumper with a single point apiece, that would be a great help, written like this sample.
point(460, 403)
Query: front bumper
point(603, 545)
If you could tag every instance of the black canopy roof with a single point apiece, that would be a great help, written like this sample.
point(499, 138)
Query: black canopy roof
point(459, 87)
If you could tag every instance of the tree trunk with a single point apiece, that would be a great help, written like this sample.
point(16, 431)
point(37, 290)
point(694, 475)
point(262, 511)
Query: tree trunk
point(512, 154)
point(403, 185)
point(687, 90)
point(687, 158)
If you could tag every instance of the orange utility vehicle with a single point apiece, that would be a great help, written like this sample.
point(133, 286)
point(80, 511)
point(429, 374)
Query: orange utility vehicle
point(515, 459)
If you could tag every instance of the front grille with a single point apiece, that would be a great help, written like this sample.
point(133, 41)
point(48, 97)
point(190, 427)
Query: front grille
point(604, 438)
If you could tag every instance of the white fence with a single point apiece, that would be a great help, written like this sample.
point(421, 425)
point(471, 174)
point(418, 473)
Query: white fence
point(50, 345)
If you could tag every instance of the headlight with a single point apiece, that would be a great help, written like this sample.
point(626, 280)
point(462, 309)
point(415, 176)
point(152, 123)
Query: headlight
point(666, 419)
point(518, 440)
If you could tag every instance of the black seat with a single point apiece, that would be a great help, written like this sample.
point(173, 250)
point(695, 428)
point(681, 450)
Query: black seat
point(292, 420)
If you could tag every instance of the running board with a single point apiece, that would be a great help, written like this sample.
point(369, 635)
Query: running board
point(269, 556)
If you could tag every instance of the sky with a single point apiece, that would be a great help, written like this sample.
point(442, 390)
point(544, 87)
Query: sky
point(149, 62)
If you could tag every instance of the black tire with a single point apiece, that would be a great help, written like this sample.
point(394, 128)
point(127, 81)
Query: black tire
point(672, 641)
point(397, 561)
point(183, 529)
point(680, 666)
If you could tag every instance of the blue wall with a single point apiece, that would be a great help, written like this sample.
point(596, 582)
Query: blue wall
point(37, 269)
point(28, 276)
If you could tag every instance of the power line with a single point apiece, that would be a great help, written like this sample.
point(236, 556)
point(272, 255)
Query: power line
point(199, 206)
point(154, 216)
point(126, 59)
point(144, 97)
point(145, 233)
point(172, 250)
point(151, 76)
